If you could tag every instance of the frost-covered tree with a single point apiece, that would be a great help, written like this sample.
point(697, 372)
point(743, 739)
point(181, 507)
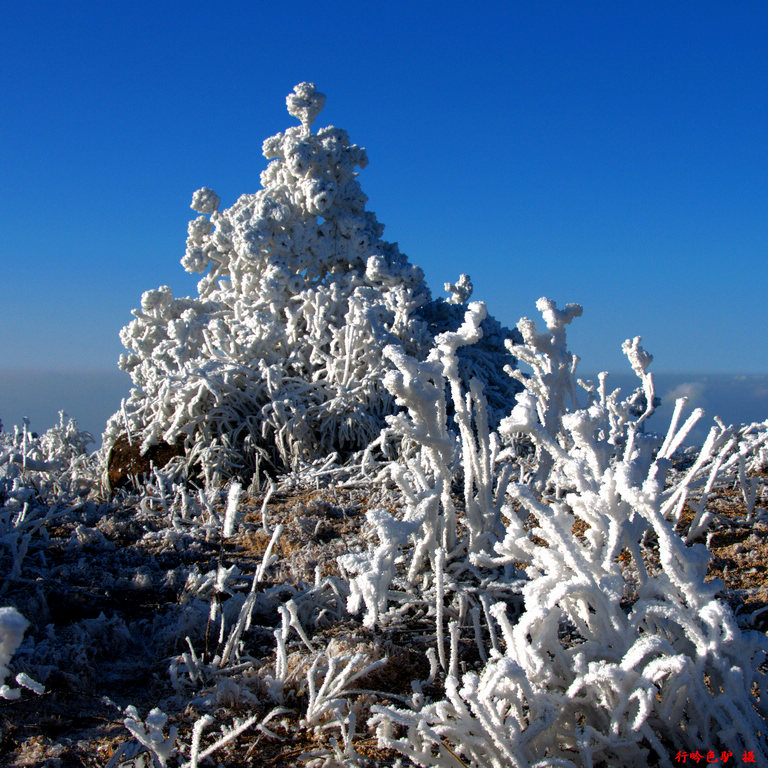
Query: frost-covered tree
point(279, 356)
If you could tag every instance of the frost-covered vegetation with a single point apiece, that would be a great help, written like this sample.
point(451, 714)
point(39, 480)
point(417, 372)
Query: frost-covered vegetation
point(460, 562)
point(278, 359)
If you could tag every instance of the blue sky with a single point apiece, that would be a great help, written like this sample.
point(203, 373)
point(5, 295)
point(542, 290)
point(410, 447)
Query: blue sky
point(612, 154)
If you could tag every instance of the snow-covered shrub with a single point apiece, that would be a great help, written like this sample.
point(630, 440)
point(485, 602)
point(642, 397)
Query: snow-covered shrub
point(279, 356)
point(758, 461)
point(429, 529)
point(616, 651)
point(55, 464)
point(39, 474)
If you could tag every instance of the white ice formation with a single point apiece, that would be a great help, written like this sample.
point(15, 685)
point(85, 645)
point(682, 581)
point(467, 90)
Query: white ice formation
point(597, 648)
point(279, 356)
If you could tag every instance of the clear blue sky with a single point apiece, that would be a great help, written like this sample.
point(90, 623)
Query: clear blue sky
point(613, 154)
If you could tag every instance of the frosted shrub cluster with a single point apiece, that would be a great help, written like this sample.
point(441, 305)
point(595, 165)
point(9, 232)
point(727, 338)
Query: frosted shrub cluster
point(516, 593)
point(279, 356)
point(597, 652)
point(53, 466)
point(40, 475)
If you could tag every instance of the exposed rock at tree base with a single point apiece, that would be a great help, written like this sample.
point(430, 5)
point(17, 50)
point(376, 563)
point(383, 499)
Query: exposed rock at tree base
point(125, 461)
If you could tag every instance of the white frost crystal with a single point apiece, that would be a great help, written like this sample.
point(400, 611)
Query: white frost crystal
point(204, 201)
point(460, 291)
point(12, 628)
point(279, 356)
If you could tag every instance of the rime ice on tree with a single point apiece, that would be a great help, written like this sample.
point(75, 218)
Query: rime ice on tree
point(279, 356)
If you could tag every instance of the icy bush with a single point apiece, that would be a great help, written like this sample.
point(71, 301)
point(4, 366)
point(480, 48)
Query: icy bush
point(603, 650)
point(428, 535)
point(39, 475)
point(55, 465)
point(278, 357)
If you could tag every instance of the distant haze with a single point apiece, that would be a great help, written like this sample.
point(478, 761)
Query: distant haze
point(736, 399)
point(92, 396)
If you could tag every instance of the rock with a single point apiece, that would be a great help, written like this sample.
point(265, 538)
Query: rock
point(126, 462)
